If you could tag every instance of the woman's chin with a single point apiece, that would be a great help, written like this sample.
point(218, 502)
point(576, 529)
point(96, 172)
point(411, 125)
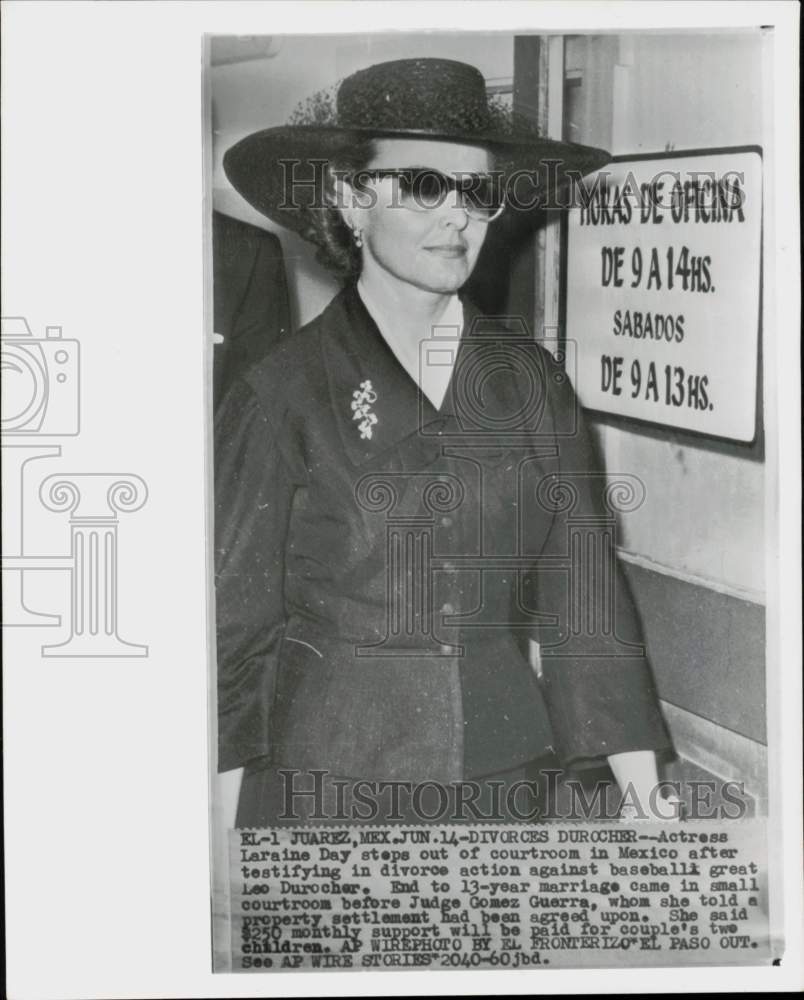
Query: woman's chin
point(444, 275)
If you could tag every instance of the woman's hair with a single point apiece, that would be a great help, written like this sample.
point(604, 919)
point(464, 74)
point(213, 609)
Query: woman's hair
point(336, 243)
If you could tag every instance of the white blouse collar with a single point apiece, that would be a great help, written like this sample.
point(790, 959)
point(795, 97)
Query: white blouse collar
point(430, 362)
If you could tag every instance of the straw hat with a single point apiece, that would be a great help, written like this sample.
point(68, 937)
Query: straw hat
point(437, 99)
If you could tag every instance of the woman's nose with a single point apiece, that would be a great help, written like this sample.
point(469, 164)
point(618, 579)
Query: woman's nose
point(454, 216)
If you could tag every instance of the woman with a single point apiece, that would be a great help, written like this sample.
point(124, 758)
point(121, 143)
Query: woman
point(389, 515)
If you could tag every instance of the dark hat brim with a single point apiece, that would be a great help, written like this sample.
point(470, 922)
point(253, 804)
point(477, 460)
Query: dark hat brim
point(258, 165)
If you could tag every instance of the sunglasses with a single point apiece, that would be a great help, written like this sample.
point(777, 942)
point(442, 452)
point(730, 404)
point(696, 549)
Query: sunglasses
point(421, 189)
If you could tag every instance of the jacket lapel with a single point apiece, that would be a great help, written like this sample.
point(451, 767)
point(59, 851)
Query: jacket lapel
point(377, 405)
point(366, 380)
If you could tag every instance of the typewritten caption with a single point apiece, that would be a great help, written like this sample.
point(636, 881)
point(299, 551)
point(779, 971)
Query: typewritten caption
point(510, 897)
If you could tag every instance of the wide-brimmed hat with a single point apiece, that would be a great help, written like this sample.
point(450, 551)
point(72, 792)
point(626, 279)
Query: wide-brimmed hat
point(279, 170)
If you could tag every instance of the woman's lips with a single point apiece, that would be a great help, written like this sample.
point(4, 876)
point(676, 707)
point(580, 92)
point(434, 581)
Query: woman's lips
point(448, 250)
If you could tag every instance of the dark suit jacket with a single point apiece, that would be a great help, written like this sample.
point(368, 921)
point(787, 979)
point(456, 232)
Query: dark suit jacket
point(374, 593)
point(250, 294)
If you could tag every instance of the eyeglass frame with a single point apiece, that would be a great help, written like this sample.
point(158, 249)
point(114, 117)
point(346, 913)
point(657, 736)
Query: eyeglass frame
point(452, 185)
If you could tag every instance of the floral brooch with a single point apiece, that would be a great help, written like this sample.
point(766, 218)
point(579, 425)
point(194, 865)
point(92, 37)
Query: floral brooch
point(362, 399)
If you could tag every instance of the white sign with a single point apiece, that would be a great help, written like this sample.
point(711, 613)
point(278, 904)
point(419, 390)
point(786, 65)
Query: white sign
point(663, 290)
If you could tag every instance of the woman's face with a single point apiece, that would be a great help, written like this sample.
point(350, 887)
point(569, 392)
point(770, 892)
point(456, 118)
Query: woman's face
point(434, 249)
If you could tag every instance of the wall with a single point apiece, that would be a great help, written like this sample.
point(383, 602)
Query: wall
point(695, 551)
point(262, 92)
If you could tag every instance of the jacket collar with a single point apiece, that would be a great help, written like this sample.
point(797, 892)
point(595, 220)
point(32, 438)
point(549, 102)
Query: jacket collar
point(356, 353)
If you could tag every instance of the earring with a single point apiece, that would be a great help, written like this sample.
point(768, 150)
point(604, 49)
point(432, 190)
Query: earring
point(358, 235)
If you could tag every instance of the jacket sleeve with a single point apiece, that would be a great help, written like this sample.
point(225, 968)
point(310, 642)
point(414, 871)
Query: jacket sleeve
point(253, 497)
point(596, 678)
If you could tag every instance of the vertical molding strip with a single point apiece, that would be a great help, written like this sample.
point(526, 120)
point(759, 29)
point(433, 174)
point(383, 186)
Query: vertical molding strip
point(553, 128)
